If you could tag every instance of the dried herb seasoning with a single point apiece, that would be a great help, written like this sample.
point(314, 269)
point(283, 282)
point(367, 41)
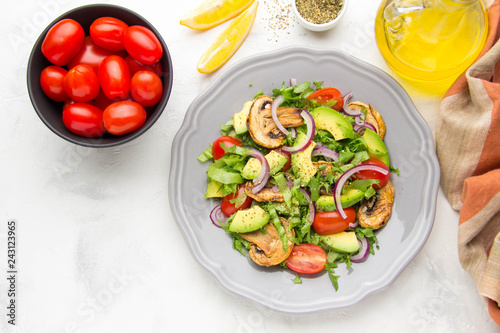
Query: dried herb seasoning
point(319, 11)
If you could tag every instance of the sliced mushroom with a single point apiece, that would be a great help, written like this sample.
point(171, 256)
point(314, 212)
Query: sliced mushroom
point(268, 193)
point(375, 212)
point(261, 125)
point(372, 116)
point(266, 248)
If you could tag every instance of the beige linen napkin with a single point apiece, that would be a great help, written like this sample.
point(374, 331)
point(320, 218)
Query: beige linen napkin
point(468, 148)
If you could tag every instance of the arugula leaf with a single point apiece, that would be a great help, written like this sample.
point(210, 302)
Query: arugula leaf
point(363, 184)
point(297, 279)
point(368, 233)
point(300, 88)
point(259, 93)
point(395, 170)
point(318, 84)
point(314, 186)
point(331, 273)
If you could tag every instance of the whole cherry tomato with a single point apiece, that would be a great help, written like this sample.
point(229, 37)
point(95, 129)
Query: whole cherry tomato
point(328, 96)
point(146, 88)
point(124, 117)
point(367, 174)
point(68, 102)
point(307, 259)
point(228, 141)
point(107, 32)
point(326, 223)
point(114, 77)
point(51, 80)
point(243, 202)
point(136, 66)
point(81, 83)
point(84, 119)
point(142, 44)
point(91, 54)
point(63, 41)
point(102, 102)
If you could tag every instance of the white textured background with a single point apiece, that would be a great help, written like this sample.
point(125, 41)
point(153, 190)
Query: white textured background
point(98, 250)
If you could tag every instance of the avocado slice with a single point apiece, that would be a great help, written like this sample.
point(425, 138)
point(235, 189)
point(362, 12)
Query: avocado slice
point(252, 168)
point(344, 241)
point(240, 119)
point(214, 189)
point(351, 197)
point(376, 146)
point(333, 122)
point(302, 164)
point(248, 220)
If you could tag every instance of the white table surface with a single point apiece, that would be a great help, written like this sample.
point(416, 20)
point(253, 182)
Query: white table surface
point(98, 249)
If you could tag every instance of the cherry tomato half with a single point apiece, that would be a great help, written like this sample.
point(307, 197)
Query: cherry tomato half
point(84, 119)
point(218, 151)
point(63, 41)
point(51, 80)
point(142, 44)
point(124, 117)
point(326, 95)
point(81, 83)
point(243, 202)
point(383, 179)
point(326, 223)
point(307, 259)
point(146, 88)
point(136, 66)
point(91, 54)
point(107, 32)
point(114, 77)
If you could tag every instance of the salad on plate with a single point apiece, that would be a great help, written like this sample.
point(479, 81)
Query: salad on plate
point(302, 179)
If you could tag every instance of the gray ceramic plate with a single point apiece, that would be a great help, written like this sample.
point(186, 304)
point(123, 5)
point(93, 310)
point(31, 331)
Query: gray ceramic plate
point(410, 146)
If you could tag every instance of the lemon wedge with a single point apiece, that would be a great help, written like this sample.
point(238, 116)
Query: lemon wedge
point(213, 12)
point(228, 42)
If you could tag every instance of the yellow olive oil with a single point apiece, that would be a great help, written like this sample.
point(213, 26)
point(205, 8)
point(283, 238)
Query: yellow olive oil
point(431, 42)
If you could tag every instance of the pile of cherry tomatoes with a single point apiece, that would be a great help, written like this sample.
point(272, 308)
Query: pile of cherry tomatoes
point(106, 80)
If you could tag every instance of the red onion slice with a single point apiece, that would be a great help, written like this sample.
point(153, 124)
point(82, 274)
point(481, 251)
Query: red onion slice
point(339, 185)
point(353, 224)
point(311, 129)
point(293, 130)
point(321, 149)
point(261, 180)
point(359, 128)
point(347, 110)
point(274, 113)
point(217, 217)
point(358, 121)
point(312, 208)
point(293, 82)
point(364, 250)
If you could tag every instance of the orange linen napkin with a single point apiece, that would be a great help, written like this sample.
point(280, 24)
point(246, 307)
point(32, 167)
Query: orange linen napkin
point(468, 148)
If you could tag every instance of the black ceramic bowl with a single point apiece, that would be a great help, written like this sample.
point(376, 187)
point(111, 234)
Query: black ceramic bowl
point(50, 112)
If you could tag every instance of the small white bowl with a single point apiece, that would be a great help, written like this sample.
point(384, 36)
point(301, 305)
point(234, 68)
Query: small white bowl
point(314, 26)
